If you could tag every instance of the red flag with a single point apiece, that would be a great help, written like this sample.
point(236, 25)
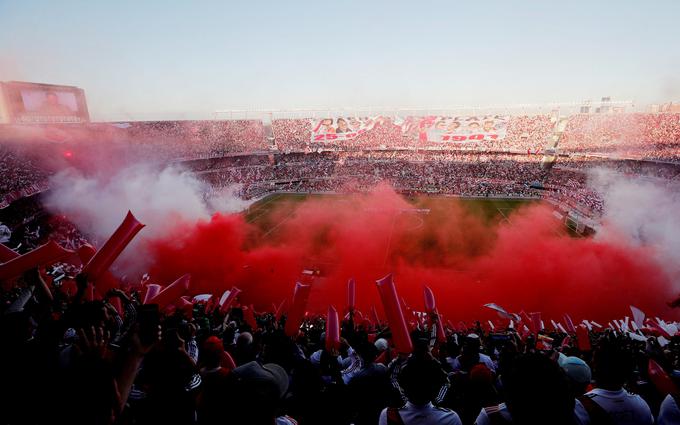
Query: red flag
point(228, 299)
point(297, 309)
point(502, 312)
point(660, 329)
point(211, 304)
point(660, 379)
point(544, 342)
point(566, 341)
point(102, 260)
point(528, 322)
point(185, 306)
point(151, 291)
point(351, 294)
point(638, 316)
point(44, 255)
point(569, 324)
point(249, 317)
point(395, 315)
point(332, 330)
point(583, 339)
point(172, 292)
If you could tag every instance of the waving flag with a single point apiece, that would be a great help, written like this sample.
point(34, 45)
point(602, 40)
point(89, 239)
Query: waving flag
point(172, 292)
point(569, 324)
point(228, 298)
point(502, 312)
point(638, 316)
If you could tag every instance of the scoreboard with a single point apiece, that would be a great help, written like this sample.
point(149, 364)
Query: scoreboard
point(36, 103)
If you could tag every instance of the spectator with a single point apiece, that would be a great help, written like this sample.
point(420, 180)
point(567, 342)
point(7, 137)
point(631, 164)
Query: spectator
point(420, 379)
point(609, 401)
point(536, 393)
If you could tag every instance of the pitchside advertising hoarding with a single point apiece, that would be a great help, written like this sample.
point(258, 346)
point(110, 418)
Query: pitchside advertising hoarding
point(436, 129)
point(34, 103)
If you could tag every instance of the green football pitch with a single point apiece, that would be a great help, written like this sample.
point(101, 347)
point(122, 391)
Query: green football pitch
point(261, 213)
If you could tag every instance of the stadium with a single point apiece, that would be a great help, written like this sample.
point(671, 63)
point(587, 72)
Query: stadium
point(468, 264)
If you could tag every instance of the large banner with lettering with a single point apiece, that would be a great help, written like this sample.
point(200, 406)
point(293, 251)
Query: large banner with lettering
point(340, 128)
point(460, 129)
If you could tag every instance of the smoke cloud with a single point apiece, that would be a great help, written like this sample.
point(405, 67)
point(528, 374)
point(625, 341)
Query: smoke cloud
point(644, 211)
point(159, 198)
point(526, 262)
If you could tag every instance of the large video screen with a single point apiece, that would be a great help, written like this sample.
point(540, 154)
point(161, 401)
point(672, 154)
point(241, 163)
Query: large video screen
point(32, 103)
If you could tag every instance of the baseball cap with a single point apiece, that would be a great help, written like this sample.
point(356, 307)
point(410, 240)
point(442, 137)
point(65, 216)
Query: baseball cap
point(268, 376)
point(576, 369)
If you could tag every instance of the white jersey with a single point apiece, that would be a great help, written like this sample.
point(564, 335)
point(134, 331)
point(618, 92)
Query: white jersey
point(483, 418)
point(315, 358)
point(502, 409)
point(483, 358)
point(285, 420)
point(428, 414)
point(669, 413)
point(623, 407)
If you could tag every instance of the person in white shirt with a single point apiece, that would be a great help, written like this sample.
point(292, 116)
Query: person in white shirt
point(471, 356)
point(669, 413)
point(536, 393)
point(420, 379)
point(609, 402)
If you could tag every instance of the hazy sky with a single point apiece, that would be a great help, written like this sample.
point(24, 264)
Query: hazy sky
point(185, 59)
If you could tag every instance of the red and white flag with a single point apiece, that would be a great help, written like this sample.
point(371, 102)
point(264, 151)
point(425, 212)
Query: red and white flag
point(502, 312)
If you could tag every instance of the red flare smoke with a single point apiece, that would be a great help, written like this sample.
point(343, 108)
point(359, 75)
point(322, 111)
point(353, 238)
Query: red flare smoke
point(526, 263)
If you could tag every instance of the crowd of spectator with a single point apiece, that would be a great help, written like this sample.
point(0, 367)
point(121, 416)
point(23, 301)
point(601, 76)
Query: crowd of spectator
point(73, 355)
point(176, 140)
point(633, 135)
point(238, 151)
point(20, 175)
point(471, 174)
point(524, 133)
point(636, 135)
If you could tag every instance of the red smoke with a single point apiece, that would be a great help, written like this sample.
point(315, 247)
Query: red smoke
point(525, 264)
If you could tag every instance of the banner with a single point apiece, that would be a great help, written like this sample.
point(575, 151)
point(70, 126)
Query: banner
point(459, 129)
point(341, 128)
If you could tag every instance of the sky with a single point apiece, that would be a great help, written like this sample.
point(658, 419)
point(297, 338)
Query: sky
point(186, 59)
